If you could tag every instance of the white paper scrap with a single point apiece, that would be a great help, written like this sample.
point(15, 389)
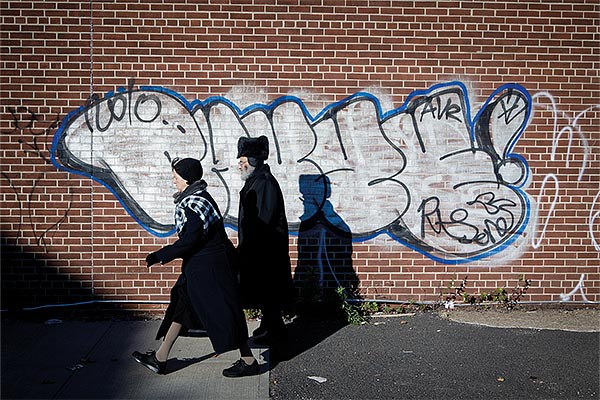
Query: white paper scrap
point(319, 379)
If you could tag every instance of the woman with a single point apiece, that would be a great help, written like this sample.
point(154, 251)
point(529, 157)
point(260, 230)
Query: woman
point(205, 295)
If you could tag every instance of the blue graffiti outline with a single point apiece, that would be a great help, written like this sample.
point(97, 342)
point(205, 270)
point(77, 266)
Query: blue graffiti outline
point(192, 106)
point(517, 136)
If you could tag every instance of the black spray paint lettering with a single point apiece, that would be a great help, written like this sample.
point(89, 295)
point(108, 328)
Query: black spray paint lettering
point(494, 230)
point(119, 106)
point(26, 126)
point(433, 107)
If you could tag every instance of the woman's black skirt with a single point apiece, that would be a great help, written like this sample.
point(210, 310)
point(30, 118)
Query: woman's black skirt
point(180, 310)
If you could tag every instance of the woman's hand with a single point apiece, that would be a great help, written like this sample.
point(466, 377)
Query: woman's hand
point(152, 259)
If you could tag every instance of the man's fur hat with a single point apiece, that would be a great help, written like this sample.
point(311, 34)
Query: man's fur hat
point(253, 147)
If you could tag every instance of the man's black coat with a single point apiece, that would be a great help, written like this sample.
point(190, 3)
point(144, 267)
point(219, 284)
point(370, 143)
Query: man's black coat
point(263, 247)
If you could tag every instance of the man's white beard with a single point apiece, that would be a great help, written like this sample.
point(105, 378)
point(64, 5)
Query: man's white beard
point(246, 173)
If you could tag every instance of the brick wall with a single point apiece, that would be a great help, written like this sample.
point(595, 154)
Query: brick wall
point(69, 234)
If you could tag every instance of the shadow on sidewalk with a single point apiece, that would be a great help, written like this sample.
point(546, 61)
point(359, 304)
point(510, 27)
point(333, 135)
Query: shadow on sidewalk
point(175, 364)
point(304, 333)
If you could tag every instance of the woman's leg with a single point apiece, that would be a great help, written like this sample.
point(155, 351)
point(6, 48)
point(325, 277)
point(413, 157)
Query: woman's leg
point(162, 354)
point(157, 360)
point(246, 354)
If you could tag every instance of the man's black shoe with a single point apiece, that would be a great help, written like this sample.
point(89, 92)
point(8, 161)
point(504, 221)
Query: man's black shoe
point(149, 361)
point(240, 368)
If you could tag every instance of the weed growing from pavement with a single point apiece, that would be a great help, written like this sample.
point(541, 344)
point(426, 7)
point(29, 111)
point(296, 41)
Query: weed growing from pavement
point(387, 309)
point(458, 293)
point(355, 313)
point(349, 306)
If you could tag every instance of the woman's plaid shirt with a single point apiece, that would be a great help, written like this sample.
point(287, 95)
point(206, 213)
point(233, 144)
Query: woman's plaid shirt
point(201, 206)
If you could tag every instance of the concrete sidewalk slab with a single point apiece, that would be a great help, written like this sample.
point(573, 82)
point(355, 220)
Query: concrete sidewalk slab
point(92, 360)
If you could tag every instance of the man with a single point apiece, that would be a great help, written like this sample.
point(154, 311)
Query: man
point(263, 247)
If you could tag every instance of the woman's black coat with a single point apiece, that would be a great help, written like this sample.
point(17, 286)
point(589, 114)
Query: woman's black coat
point(208, 275)
point(264, 261)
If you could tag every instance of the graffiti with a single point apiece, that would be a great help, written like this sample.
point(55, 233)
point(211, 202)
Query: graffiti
point(594, 215)
point(578, 288)
point(535, 243)
point(573, 130)
point(570, 129)
point(25, 123)
point(427, 174)
point(492, 230)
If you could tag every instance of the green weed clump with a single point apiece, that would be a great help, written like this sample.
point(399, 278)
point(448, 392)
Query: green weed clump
point(501, 296)
point(355, 313)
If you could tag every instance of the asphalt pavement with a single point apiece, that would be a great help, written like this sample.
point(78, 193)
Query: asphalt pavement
point(427, 356)
point(414, 356)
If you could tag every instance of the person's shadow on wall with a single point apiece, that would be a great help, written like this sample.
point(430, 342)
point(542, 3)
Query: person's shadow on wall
point(324, 266)
point(324, 245)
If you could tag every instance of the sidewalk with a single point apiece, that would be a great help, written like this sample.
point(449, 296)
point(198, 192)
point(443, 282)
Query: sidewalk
point(92, 360)
point(533, 354)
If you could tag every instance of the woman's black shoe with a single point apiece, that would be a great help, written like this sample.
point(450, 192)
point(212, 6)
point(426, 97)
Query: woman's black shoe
point(149, 361)
point(240, 368)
